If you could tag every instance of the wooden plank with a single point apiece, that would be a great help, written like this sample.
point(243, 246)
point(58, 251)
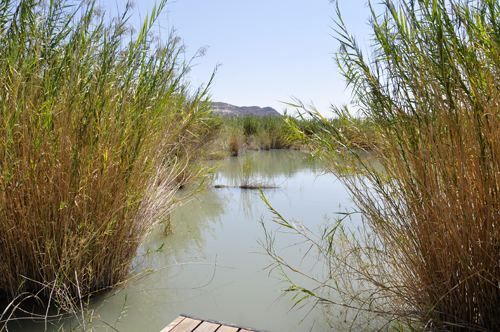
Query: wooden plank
point(187, 325)
point(243, 330)
point(227, 329)
point(173, 324)
point(207, 327)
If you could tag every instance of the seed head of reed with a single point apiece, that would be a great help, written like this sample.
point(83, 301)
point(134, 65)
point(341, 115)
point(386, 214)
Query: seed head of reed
point(429, 255)
point(96, 126)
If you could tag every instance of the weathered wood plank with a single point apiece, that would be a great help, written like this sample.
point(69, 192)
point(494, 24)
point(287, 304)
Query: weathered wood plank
point(207, 327)
point(187, 325)
point(173, 324)
point(227, 329)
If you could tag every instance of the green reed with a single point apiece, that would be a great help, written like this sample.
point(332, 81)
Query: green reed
point(270, 132)
point(98, 130)
point(428, 257)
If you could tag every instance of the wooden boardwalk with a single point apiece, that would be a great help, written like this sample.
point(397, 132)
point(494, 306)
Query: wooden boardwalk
point(186, 323)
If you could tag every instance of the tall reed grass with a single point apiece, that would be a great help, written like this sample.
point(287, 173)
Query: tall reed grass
point(428, 258)
point(260, 133)
point(98, 128)
point(268, 132)
point(273, 132)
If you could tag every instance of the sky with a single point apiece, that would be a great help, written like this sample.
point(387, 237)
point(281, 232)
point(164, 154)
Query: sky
point(268, 51)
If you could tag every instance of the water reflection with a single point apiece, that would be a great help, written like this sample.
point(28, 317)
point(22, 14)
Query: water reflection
point(211, 265)
point(269, 165)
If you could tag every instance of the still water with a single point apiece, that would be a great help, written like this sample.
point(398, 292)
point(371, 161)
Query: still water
point(212, 265)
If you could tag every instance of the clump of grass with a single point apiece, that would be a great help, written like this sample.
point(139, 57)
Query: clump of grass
point(97, 125)
point(246, 172)
point(250, 125)
point(274, 132)
point(253, 133)
point(360, 135)
point(234, 145)
point(429, 256)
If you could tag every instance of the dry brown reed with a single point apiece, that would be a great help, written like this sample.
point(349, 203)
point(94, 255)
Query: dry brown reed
point(428, 258)
point(234, 145)
point(95, 132)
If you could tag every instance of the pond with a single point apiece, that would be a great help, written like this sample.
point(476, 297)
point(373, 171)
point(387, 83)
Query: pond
point(212, 265)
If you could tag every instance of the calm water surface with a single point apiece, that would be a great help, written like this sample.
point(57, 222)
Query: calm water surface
point(212, 266)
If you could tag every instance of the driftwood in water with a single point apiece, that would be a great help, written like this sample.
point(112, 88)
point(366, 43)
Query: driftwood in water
point(247, 186)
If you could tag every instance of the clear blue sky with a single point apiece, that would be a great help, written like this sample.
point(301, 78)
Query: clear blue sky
point(270, 50)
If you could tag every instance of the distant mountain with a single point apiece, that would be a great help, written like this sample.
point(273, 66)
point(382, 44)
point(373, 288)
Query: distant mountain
point(224, 109)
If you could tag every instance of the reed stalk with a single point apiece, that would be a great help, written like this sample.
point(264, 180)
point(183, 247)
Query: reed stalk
point(428, 256)
point(98, 124)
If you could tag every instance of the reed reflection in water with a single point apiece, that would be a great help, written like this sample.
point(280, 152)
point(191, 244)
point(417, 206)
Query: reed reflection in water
point(212, 266)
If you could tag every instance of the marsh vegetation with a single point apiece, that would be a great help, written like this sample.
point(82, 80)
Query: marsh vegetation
point(99, 130)
point(212, 256)
point(237, 134)
point(427, 257)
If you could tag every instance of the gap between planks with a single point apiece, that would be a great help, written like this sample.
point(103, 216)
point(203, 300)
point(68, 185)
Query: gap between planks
point(187, 324)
